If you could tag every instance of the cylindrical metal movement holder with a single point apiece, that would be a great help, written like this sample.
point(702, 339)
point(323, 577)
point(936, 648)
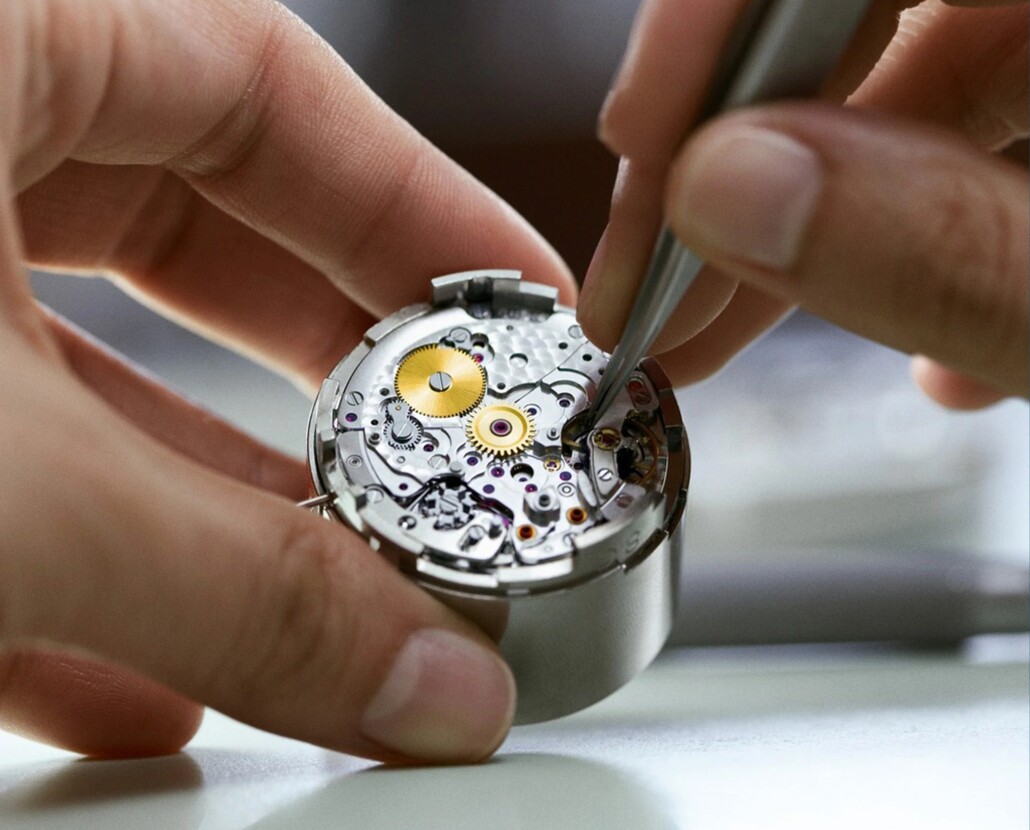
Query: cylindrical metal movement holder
point(573, 628)
point(569, 648)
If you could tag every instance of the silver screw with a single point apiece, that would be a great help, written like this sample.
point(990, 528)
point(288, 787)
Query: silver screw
point(403, 432)
point(440, 381)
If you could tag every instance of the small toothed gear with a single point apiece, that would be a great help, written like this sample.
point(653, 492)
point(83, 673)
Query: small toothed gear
point(440, 382)
point(404, 436)
point(402, 430)
point(500, 429)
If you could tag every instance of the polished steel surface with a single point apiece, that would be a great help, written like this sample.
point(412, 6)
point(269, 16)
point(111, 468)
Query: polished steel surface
point(569, 649)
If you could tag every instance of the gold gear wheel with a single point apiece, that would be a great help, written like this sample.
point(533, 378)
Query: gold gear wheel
point(500, 429)
point(440, 382)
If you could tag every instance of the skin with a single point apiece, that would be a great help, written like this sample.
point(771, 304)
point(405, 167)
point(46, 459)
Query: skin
point(221, 163)
point(918, 238)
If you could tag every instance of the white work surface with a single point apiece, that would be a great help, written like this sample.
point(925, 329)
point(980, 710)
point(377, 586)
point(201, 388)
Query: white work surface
point(792, 738)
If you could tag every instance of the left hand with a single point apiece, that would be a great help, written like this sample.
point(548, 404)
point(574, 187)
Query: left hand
point(228, 168)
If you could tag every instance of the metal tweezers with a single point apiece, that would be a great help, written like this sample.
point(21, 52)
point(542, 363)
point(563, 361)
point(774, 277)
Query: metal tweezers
point(781, 49)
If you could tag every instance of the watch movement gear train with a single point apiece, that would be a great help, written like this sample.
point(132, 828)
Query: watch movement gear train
point(451, 439)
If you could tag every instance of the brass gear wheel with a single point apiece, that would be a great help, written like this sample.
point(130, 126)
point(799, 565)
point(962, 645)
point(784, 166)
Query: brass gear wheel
point(500, 429)
point(440, 382)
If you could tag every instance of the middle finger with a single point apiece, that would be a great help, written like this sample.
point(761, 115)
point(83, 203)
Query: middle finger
point(961, 68)
point(658, 94)
point(193, 262)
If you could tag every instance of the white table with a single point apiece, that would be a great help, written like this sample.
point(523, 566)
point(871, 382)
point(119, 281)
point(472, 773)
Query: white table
point(762, 738)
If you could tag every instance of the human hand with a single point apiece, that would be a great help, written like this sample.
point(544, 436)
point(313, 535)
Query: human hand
point(229, 169)
point(890, 217)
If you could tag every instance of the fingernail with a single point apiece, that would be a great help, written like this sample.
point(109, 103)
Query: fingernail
point(749, 193)
point(446, 698)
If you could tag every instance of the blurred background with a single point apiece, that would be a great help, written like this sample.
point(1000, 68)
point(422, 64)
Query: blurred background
point(814, 441)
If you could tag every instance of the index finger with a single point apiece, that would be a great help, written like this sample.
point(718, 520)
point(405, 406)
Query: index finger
point(659, 94)
point(242, 100)
point(672, 58)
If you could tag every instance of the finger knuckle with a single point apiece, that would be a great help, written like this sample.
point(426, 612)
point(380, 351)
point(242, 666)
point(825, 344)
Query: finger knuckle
point(319, 348)
point(994, 94)
point(963, 254)
point(264, 469)
point(403, 171)
point(299, 635)
point(231, 142)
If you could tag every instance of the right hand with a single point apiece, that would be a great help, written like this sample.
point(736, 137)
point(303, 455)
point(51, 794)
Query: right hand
point(889, 217)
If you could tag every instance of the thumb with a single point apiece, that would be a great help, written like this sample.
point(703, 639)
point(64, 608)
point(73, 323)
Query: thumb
point(895, 231)
point(235, 598)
